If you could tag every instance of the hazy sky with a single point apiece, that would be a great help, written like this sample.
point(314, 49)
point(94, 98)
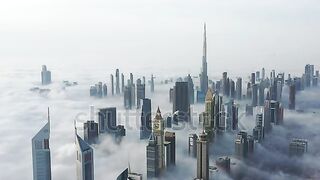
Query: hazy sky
point(160, 34)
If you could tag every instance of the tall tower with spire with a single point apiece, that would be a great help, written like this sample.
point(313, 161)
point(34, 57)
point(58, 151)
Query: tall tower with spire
point(158, 130)
point(204, 73)
point(41, 153)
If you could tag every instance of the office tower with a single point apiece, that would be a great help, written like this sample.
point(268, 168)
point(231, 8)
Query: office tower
point(45, 75)
point(253, 78)
point(192, 145)
point(224, 83)
point(107, 120)
point(153, 169)
point(41, 153)
point(244, 145)
point(276, 112)
point(93, 91)
point(232, 89)
point(171, 95)
point(131, 78)
point(105, 90)
point(168, 123)
point(308, 74)
point(145, 129)
point(273, 113)
point(112, 85)
point(158, 130)
point(261, 94)
point(222, 120)
point(297, 83)
point(298, 147)
point(91, 131)
point(202, 157)
point(254, 95)
point(152, 83)
point(317, 74)
point(263, 73)
point(249, 91)
point(117, 82)
point(84, 162)
point(209, 114)
point(218, 87)
point(122, 82)
point(143, 80)
point(120, 133)
point(141, 92)
point(170, 148)
point(249, 110)
point(181, 100)
point(99, 90)
point(231, 116)
point(190, 89)
point(279, 91)
point(258, 130)
point(127, 97)
point(133, 94)
point(314, 81)
point(224, 163)
point(239, 88)
point(204, 73)
point(250, 145)
point(258, 76)
point(292, 96)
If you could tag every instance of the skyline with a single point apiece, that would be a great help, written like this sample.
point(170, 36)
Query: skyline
point(248, 81)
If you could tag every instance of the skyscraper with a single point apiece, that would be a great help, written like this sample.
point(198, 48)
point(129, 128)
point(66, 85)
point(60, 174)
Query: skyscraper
point(158, 130)
point(145, 129)
point(45, 75)
point(91, 131)
point(181, 100)
point(41, 153)
point(298, 147)
point(202, 157)
point(153, 169)
point(241, 145)
point(122, 82)
point(107, 120)
point(141, 92)
point(292, 97)
point(127, 97)
point(231, 115)
point(261, 94)
point(258, 131)
point(192, 145)
point(254, 95)
point(84, 161)
point(190, 89)
point(112, 84)
point(239, 88)
point(170, 139)
point(117, 82)
point(152, 83)
point(204, 73)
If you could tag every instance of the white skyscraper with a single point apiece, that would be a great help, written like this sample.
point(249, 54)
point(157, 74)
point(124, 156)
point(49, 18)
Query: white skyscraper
point(41, 153)
point(84, 162)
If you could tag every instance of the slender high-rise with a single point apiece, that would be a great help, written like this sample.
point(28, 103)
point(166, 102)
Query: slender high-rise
point(45, 75)
point(292, 97)
point(204, 73)
point(112, 84)
point(41, 153)
point(84, 159)
point(158, 130)
point(202, 157)
point(117, 82)
point(145, 129)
